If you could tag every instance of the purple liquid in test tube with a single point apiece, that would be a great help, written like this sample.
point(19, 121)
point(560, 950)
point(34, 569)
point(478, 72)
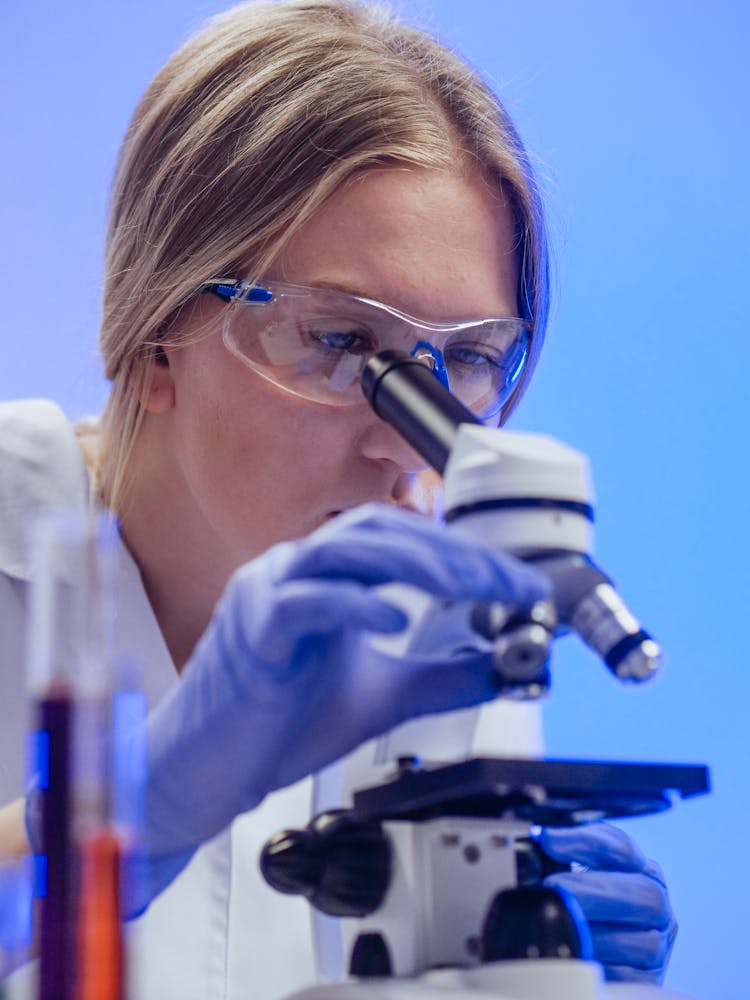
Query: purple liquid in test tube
point(67, 673)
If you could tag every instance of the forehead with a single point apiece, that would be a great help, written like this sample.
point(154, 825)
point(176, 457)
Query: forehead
point(432, 243)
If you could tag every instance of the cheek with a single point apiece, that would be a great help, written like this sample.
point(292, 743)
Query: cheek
point(251, 443)
point(233, 414)
point(304, 446)
point(210, 422)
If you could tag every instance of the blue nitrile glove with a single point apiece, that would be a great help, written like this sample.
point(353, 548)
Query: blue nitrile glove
point(16, 885)
point(623, 896)
point(284, 680)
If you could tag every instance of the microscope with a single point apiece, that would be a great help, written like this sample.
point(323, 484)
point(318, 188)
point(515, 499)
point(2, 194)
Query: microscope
point(432, 865)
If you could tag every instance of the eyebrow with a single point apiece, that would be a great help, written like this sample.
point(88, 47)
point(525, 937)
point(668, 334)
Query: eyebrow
point(342, 286)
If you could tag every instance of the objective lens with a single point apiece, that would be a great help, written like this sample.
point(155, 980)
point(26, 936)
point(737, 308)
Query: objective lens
point(606, 625)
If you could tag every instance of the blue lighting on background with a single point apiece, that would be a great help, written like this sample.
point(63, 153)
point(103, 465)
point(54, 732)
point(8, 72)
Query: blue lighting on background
point(636, 115)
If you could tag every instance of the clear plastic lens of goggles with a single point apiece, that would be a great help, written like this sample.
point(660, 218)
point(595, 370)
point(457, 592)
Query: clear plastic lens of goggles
point(322, 358)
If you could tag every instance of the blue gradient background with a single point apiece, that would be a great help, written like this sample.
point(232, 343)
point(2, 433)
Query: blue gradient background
point(637, 114)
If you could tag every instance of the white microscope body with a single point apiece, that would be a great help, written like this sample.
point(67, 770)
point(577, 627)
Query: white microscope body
point(444, 832)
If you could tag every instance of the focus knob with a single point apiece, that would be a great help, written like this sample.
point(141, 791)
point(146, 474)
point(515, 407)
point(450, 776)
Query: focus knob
point(290, 862)
point(342, 866)
point(535, 923)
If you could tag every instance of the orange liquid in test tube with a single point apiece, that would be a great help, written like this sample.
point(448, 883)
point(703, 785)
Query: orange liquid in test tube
point(100, 957)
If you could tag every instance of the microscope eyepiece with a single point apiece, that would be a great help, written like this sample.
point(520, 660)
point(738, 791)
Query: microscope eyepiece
point(404, 392)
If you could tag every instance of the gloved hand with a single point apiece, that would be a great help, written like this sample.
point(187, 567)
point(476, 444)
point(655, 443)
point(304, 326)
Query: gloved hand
point(16, 885)
point(623, 896)
point(284, 680)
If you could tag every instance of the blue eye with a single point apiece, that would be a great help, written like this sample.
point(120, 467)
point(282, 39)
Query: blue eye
point(472, 356)
point(338, 339)
point(341, 341)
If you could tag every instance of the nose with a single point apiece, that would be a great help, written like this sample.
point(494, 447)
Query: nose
point(379, 442)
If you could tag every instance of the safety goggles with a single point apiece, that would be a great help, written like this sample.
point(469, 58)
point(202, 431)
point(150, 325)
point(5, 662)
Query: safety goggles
point(315, 343)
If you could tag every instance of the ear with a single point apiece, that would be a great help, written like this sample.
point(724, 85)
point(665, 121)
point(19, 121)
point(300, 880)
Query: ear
point(157, 389)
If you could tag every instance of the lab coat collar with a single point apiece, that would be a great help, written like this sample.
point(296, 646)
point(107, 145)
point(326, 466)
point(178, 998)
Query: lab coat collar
point(41, 466)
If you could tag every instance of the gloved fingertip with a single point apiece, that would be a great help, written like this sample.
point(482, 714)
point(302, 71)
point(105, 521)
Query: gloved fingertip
point(374, 615)
point(509, 581)
point(391, 618)
point(597, 844)
point(556, 841)
point(538, 585)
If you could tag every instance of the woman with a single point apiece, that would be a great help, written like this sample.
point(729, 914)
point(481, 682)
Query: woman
point(293, 164)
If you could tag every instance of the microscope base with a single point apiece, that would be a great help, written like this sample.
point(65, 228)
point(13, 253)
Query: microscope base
point(546, 979)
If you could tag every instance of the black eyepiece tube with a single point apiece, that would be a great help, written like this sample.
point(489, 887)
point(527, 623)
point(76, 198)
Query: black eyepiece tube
point(405, 393)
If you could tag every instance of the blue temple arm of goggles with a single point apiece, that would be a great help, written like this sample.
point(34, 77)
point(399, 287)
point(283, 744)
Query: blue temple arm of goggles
point(233, 290)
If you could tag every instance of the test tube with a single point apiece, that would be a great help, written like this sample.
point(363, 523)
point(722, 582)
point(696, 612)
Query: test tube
point(72, 611)
point(97, 835)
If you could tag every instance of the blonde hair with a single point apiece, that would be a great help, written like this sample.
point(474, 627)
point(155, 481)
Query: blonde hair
point(245, 133)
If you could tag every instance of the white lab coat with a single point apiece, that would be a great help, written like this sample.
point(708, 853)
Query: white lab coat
point(218, 932)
